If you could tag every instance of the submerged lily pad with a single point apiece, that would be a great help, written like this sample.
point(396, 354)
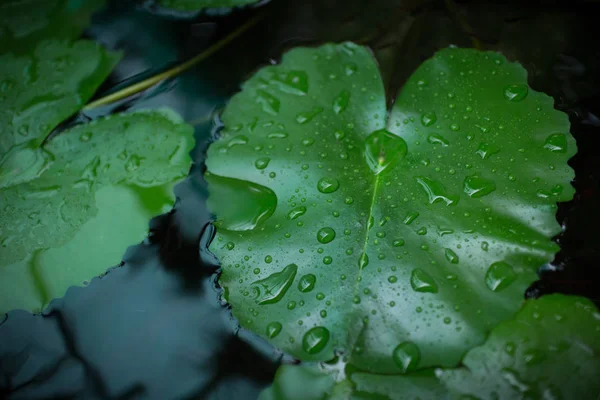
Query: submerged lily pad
point(551, 349)
point(437, 216)
point(104, 181)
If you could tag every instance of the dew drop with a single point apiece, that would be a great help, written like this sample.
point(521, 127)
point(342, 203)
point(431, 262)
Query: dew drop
point(436, 191)
point(315, 340)
point(340, 103)
point(451, 256)
point(262, 163)
point(269, 103)
point(328, 185)
point(296, 212)
point(438, 139)
point(325, 235)
point(363, 261)
point(475, 186)
point(428, 119)
point(406, 356)
point(272, 289)
point(307, 283)
point(273, 329)
point(516, 92)
point(499, 276)
point(486, 150)
point(422, 282)
point(383, 150)
point(556, 143)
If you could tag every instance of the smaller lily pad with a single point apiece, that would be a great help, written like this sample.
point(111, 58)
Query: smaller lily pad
point(25, 23)
point(551, 350)
point(104, 181)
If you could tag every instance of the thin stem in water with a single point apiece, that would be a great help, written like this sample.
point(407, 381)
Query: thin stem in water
point(178, 69)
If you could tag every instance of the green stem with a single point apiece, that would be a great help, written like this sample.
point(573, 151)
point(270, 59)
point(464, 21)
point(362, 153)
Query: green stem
point(146, 83)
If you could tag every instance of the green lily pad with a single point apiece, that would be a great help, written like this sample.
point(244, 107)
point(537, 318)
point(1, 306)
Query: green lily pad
point(197, 5)
point(40, 90)
point(551, 349)
point(397, 240)
point(25, 23)
point(103, 182)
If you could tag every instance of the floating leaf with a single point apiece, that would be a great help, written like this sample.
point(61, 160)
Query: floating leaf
point(25, 23)
point(440, 214)
point(40, 90)
point(550, 350)
point(104, 181)
point(197, 5)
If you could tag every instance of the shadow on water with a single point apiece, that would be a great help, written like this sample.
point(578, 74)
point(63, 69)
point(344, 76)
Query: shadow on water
point(155, 327)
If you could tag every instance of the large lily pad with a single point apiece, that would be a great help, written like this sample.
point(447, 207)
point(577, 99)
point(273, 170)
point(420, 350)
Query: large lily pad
point(550, 350)
point(399, 241)
point(105, 181)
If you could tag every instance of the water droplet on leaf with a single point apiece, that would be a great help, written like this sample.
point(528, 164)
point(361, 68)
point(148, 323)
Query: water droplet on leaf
point(315, 340)
point(325, 235)
point(422, 282)
point(407, 356)
point(272, 289)
point(383, 150)
point(499, 275)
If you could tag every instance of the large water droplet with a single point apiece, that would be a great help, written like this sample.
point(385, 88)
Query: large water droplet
point(486, 150)
point(262, 163)
point(328, 185)
point(436, 191)
point(325, 235)
point(270, 104)
point(475, 186)
point(307, 283)
point(422, 282)
point(499, 276)
point(451, 256)
point(306, 117)
point(516, 92)
point(272, 288)
point(297, 212)
point(237, 141)
point(292, 82)
point(407, 356)
point(383, 150)
point(428, 119)
point(273, 329)
point(315, 340)
point(363, 260)
point(340, 103)
point(438, 139)
point(556, 143)
point(239, 205)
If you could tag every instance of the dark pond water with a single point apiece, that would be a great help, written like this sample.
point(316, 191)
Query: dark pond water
point(154, 327)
